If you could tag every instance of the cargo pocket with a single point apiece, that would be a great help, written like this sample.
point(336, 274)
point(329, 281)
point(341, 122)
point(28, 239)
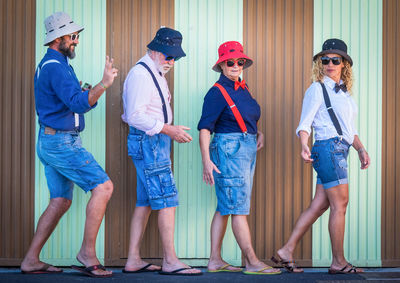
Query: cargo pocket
point(135, 147)
point(234, 195)
point(160, 181)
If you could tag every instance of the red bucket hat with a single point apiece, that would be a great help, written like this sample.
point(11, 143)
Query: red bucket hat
point(229, 50)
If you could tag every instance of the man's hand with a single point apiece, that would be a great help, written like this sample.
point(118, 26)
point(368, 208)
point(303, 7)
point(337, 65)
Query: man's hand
point(177, 133)
point(109, 73)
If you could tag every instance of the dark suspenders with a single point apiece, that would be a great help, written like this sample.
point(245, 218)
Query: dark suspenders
point(330, 111)
point(164, 107)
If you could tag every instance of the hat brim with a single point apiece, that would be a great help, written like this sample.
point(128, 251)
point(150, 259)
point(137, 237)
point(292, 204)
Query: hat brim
point(232, 55)
point(71, 28)
point(335, 51)
point(174, 51)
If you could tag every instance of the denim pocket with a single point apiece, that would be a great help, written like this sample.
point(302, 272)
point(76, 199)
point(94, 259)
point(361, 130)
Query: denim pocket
point(160, 181)
point(231, 147)
point(135, 147)
point(232, 190)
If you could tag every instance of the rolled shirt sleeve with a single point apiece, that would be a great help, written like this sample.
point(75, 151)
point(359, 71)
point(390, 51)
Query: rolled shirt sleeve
point(311, 103)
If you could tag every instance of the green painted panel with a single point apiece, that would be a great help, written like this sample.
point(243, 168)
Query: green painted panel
point(359, 24)
point(65, 242)
point(205, 24)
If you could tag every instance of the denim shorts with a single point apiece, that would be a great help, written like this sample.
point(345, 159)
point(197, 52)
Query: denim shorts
point(330, 161)
point(66, 162)
point(151, 157)
point(235, 156)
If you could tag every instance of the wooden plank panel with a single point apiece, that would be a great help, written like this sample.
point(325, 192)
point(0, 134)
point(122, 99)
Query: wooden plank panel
point(391, 135)
point(130, 27)
point(278, 35)
point(18, 128)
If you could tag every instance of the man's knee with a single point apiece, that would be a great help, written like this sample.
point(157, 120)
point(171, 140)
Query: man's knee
point(61, 204)
point(106, 189)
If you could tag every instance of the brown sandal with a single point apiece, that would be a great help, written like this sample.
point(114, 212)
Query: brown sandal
point(352, 269)
point(289, 265)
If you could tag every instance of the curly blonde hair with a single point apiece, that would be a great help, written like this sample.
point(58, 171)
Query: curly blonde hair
point(346, 76)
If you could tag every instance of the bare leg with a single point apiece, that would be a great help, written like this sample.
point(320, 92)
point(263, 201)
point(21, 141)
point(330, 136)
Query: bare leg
point(46, 225)
point(338, 199)
point(318, 206)
point(218, 229)
point(95, 210)
point(166, 225)
point(138, 225)
point(241, 231)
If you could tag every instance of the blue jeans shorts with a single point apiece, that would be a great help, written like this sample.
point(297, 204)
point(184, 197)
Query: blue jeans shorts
point(151, 157)
point(235, 156)
point(66, 162)
point(330, 161)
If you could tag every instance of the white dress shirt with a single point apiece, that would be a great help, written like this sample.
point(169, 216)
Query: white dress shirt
point(315, 114)
point(141, 100)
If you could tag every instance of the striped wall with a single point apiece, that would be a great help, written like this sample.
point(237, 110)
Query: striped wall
point(359, 24)
point(204, 25)
point(65, 242)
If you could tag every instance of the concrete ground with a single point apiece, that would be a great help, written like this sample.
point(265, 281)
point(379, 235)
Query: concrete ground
point(310, 275)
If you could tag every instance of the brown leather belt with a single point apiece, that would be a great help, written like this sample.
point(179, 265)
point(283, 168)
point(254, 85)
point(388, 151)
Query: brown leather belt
point(49, 131)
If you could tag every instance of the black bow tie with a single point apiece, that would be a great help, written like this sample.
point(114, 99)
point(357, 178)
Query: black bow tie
point(340, 87)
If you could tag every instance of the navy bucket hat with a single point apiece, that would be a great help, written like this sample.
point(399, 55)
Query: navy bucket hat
point(168, 41)
point(336, 46)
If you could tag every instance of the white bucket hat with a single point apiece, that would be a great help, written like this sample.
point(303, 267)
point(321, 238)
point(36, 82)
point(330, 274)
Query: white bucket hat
point(58, 25)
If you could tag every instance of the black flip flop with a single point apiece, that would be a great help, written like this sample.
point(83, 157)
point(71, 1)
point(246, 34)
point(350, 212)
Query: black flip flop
point(143, 269)
point(88, 270)
point(176, 272)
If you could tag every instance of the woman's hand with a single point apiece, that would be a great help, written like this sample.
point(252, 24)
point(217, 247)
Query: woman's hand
point(364, 158)
point(208, 168)
point(306, 154)
point(260, 140)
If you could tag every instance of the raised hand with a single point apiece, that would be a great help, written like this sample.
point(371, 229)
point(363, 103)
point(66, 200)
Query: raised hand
point(109, 72)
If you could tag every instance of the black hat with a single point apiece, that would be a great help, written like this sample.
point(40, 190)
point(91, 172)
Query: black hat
point(168, 41)
point(335, 46)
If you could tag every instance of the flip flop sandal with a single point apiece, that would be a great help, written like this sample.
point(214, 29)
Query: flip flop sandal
point(42, 270)
point(143, 269)
point(88, 270)
point(176, 272)
point(352, 269)
point(290, 266)
point(261, 272)
point(224, 268)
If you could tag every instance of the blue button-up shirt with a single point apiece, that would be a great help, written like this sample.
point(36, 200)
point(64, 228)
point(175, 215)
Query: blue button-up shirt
point(58, 94)
point(218, 117)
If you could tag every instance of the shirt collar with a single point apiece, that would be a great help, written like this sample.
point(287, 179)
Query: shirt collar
point(224, 79)
point(330, 83)
point(57, 55)
point(149, 62)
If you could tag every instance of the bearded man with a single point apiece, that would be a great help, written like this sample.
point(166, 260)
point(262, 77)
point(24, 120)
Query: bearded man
point(60, 106)
point(147, 111)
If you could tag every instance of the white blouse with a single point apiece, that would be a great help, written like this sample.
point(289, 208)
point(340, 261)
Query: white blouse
point(315, 114)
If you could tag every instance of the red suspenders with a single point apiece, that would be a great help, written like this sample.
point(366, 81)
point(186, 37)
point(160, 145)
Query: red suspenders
point(233, 107)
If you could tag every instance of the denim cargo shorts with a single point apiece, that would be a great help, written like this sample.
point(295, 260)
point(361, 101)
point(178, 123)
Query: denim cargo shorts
point(151, 157)
point(330, 161)
point(235, 156)
point(66, 162)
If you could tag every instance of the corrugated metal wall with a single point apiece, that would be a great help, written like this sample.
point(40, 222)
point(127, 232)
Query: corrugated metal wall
point(391, 135)
point(278, 36)
point(131, 26)
point(204, 25)
point(359, 24)
point(66, 240)
point(16, 140)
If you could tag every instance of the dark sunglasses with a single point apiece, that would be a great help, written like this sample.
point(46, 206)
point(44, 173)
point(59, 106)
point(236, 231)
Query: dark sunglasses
point(73, 36)
point(168, 58)
point(240, 62)
point(335, 60)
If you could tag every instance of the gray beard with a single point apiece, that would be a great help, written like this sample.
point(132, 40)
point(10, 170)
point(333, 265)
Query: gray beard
point(66, 50)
